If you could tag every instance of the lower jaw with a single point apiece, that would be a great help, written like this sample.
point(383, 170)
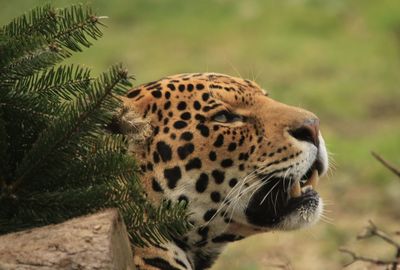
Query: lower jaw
point(298, 219)
point(297, 213)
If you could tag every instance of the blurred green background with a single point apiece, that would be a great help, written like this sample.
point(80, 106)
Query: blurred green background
point(337, 58)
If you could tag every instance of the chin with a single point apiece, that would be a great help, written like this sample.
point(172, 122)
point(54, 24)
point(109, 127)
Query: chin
point(302, 217)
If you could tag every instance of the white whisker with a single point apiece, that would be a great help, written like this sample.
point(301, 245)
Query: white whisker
point(269, 192)
point(256, 186)
point(236, 189)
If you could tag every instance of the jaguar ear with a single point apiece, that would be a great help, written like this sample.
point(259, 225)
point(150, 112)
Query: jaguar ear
point(129, 121)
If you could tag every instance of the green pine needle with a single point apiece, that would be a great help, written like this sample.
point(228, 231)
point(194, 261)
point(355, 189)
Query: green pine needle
point(41, 20)
point(62, 82)
point(90, 106)
point(45, 36)
point(56, 160)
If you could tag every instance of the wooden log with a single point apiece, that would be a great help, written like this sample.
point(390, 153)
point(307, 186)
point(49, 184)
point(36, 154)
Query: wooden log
point(98, 241)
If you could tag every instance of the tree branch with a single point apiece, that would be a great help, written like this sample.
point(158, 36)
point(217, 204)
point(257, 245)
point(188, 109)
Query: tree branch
point(370, 231)
point(355, 257)
point(385, 163)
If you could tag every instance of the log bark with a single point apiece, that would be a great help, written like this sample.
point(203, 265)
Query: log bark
point(97, 241)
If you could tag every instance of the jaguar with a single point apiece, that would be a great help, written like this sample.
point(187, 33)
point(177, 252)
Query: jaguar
point(242, 162)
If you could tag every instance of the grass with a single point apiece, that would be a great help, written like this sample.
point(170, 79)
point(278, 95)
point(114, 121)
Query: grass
point(339, 59)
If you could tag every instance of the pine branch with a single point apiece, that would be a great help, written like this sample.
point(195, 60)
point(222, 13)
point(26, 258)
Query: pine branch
point(24, 118)
point(101, 165)
point(40, 208)
point(63, 82)
point(26, 33)
point(62, 129)
point(21, 107)
point(75, 25)
point(26, 110)
point(55, 161)
point(67, 32)
point(39, 20)
point(146, 223)
point(3, 151)
point(157, 224)
point(32, 60)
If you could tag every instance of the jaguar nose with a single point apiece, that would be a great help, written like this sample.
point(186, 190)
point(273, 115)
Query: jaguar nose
point(307, 132)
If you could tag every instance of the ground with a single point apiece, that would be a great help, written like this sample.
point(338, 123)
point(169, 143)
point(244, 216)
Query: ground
point(339, 59)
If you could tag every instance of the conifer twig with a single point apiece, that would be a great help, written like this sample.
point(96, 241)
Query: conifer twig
point(28, 110)
point(56, 161)
point(108, 88)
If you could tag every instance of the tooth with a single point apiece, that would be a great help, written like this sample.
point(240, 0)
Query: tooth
point(296, 190)
point(306, 188)
point(313, 181)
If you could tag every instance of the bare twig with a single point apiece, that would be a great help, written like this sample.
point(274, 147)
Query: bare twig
point(387, 164)
point(355, 257)
point(371, 231)
point(279, 262)
point(281, 266)
point(395, 264)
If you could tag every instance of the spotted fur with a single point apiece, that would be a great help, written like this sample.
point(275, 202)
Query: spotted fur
point(231, 152)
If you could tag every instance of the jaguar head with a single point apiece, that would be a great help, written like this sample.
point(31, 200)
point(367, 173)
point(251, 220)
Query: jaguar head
point(244, 162)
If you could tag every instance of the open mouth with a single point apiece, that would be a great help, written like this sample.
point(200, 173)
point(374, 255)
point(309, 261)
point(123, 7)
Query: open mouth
point(283, 201)
point(307, 182)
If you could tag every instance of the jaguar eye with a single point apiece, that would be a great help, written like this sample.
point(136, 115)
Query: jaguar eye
point(227, 117)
